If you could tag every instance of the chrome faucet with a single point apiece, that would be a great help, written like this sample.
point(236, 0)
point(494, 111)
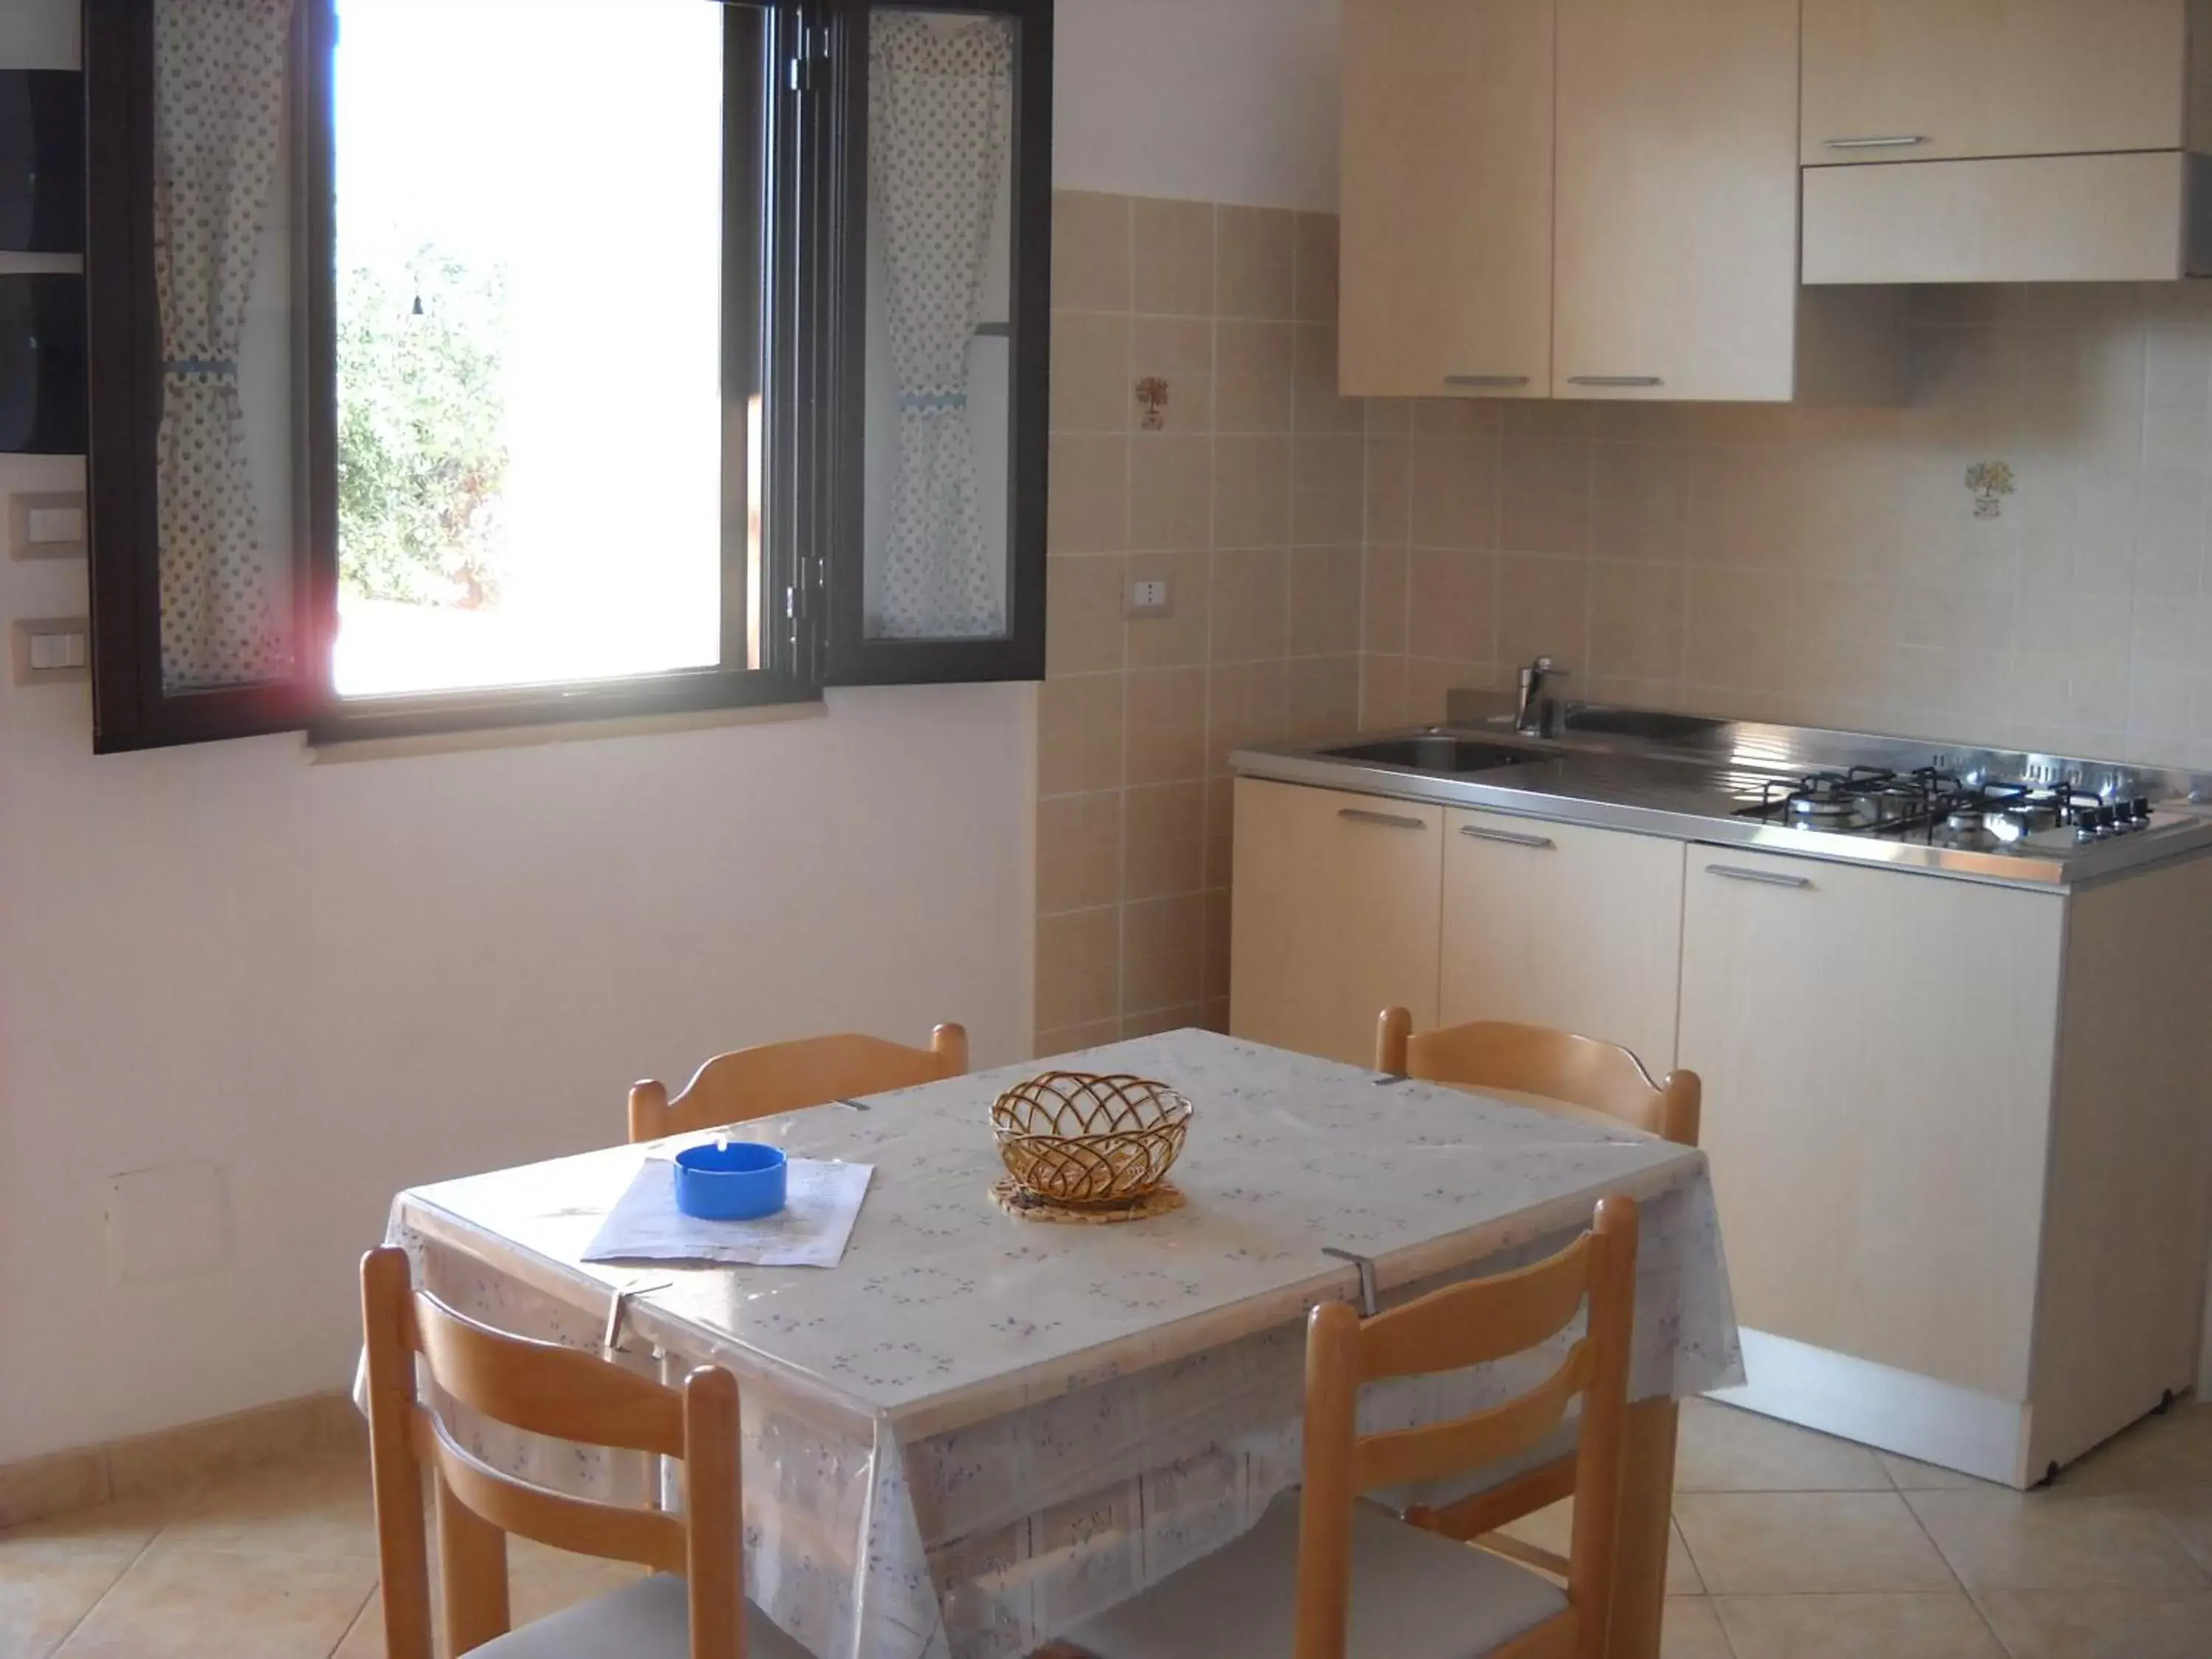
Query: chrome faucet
point(1534, 715)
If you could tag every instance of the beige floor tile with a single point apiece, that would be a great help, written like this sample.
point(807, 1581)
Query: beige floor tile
point(1691, 1632)
point(42, 1598)
point(2049, 1540)
point(2159, 1453)
point(1552, 1528)
point(1722, 1448)
point(2188, 1515)
point(1908, 1475)
point(1792, 1543)
point(2101, 1624)
point(196, 1604)
point(1939, 1624)
point(315, 1506)
point(119, 1529)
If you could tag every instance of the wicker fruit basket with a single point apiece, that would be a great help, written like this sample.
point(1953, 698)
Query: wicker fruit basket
point(1078, 1141)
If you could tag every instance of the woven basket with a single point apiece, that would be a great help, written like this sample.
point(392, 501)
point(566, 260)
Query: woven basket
point(1077, 1140)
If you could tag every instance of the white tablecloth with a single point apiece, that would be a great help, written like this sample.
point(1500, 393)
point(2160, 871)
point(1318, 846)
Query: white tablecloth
point(977, 1430)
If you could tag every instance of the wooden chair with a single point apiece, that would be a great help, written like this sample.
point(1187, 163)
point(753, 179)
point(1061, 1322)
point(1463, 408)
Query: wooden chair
point(1326, 1575)
point(1535, 1060)
point(694, 1607)
point(782, 1077)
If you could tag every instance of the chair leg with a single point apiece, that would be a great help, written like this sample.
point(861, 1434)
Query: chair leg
point(1647, 1501)
point(472, 1568)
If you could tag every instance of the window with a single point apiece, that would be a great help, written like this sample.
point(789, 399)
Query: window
point(470, 363)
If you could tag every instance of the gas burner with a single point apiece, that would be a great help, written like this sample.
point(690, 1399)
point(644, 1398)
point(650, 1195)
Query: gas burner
point(1971, 812)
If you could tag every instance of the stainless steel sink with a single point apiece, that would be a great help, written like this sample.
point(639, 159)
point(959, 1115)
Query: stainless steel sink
point(1438, 752)
point(1649, 725)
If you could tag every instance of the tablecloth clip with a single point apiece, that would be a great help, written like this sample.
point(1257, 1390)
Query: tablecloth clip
point(1389, 1078)
point(857, 1105)
point(618, 1309)
point(1369, 1305)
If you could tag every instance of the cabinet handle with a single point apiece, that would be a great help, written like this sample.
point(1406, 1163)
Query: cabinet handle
point(1509, 837)
point(1614, 379)
point(1764, 877)
point(1897, 141)
point(1388, 820)
point(1486, 380)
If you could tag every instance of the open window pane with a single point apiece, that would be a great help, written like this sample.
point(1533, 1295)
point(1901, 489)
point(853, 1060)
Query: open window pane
point(529, 315)
point(938, 521)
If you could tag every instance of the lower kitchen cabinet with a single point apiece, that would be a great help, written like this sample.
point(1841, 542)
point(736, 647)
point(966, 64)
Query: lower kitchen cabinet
point(1557, 924)
point(1336, 915)
point(1876, 1048)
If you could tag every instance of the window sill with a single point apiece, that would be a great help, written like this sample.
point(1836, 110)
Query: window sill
point(329, 748)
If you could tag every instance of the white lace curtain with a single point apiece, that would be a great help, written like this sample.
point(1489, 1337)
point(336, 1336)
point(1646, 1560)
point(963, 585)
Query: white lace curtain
point(941, 107)
point(218, 122)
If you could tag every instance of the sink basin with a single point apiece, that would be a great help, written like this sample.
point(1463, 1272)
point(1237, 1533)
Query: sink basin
point(1437, 753)
point(1648, 724)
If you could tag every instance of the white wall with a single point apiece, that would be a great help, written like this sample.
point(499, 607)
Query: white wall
point(1215, 100)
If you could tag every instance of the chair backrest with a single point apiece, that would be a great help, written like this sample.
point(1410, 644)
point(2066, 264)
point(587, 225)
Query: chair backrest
point(1535, 1060)
point(1461, 1325)
point(782, 1077)
point(547, 1390)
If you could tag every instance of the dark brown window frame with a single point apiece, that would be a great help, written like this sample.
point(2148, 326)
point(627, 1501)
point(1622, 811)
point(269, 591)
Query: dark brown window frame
point(810, 633)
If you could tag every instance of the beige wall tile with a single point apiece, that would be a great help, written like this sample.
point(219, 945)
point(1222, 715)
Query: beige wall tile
point(1162, 966)
point(1639, 501)
point(1215, 975)
point(1457, 417)
point(1257, 271)
point(178, 1457)
point(1084, 629)
point(1174, 253)
point(1452, 604)
point(1638, 623)
point(1170, 492)
point(1162, 1019)
point(1543, 609)
point(1252, 492)
point(1454, 493)
point(1327, 490)
point(1167, 725)
point(1325, 601)
point(1088, 508)
point(1247, 703)
point(1166, 841)
point(1068, 1039)
point(1251, 604)
point(1079, 851)
point(1316, 262)
point(1079, 968)
point(1389, 486)
point(1220, 830)
point(1090, 251)
point(1090, 372)
point(1429, 679)
point(1323, 697)
point(1385, 574)
point(1383, 703)
point(1179, 640)
point(1079, 734)
point(1318, 406)
point(1256, 360)
point(1545, 493)
point(1178, 351)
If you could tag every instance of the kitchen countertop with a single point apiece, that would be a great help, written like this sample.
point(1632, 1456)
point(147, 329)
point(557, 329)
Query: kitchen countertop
point(1692, 783)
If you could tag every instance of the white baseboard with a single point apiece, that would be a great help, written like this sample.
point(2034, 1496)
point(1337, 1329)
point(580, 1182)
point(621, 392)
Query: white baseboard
point(1918, 1417)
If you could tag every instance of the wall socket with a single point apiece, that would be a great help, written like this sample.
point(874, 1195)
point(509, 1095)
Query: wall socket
point(1148, 597)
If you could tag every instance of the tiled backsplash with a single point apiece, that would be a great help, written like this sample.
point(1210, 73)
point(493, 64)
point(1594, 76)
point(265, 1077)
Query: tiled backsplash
point(1333, 563)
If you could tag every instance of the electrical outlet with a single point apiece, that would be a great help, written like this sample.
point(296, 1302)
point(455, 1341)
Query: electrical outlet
point(1148, 597)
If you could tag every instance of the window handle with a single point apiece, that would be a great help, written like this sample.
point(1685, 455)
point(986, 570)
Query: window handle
point(1892, 141)
point(1486, 380)
point(1386, 820)
point(1614, 379)
point(1763, 878)
point(1507, 837)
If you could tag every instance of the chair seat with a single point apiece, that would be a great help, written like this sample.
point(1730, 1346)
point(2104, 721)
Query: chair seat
point(648, 1619)
point(1414, 1595)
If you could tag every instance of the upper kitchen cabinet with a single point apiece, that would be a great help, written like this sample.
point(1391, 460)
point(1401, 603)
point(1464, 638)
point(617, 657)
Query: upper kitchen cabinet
point(1906, 79)
point(1579, 199)
point(1447, 216)
point(2004, 141)
point(1677, 200)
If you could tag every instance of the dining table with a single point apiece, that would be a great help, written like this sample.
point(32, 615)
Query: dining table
point(977, 1430)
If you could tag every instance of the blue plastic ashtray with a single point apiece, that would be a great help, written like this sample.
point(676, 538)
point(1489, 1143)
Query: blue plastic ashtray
point(742, 1181)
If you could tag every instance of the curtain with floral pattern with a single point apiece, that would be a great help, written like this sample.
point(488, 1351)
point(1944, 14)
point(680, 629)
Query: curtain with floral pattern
point(941, 102)
point(218, 124)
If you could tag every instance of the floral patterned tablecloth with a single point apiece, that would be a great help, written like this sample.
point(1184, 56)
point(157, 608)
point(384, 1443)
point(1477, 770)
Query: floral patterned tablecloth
point(975, 1431)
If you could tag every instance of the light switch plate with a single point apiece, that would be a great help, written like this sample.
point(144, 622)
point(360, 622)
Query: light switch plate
point(46, 650)
point(1148, 596)
point(50, 526)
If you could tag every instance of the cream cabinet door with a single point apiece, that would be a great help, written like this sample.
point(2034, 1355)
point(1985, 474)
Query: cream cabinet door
point(1676, 240)
point(1876, 1048)
point(1553, 924)
point(1335, 916)
point(1446, 268)
point(1934, 80)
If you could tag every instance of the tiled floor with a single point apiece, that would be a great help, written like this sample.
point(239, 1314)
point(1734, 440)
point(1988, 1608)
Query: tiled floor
point(1787, 1545)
